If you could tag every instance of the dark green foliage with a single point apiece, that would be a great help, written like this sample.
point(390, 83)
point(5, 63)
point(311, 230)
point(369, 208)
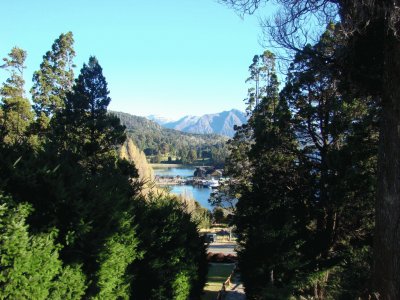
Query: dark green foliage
point(119, 252)
point(84, 128)
point(174, 263)
point(238, 168)
point(86, 138)
point(15, 112)
point(305, 210)
point(262, 100)
point(54, 79)
point(327, 120)
point(269, 217)
point(77, 184)
point(84, 201)
point(372, 62)
point(30, 264)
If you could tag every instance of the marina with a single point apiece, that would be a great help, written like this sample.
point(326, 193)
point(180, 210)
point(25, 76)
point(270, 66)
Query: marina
point(181, 181)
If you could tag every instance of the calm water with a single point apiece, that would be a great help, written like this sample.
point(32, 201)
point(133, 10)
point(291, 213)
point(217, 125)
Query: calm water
point(199, 193)
point(174, 171)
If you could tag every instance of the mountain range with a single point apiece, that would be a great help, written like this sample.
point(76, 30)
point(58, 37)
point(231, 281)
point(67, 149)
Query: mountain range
point(159, 119)
point(149, 134)
point(219, 123)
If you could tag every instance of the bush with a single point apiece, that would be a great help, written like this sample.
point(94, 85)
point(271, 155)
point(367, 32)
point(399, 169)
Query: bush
point(221, 258)
point(174, 263)
point(30, 264)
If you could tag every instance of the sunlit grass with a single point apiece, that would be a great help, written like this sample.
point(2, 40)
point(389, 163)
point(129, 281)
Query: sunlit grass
point(217, 274)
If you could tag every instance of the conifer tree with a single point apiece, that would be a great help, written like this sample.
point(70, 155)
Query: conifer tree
point(326, 120)
point(86, 139)
point(83, 126)
point(53, 80)
point(304, 174)
point(312, 158)
point(268, 216)
point(87, 200)
point(77, 184)
point(16, 114)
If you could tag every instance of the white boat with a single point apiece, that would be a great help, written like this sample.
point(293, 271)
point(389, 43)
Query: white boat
point(211, 183)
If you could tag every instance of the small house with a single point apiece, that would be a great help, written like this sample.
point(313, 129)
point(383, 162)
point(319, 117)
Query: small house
point(215, 173)
point(200, 172)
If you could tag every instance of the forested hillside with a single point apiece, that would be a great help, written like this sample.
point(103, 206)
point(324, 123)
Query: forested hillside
point(159, 143)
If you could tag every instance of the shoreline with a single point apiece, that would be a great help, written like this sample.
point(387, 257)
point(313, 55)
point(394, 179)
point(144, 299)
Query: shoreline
point(167, 165)
point(160, 166)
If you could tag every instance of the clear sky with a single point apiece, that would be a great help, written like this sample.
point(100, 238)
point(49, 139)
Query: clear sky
point(169, 58)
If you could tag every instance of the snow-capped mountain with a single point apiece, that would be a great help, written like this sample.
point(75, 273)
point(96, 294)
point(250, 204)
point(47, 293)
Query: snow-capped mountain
point(159, 119)
point(219, 123)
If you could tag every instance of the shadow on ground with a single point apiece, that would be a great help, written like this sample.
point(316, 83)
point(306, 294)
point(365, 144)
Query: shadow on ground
point(209, 295)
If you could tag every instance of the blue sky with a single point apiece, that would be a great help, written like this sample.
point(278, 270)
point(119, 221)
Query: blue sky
point(170, 58)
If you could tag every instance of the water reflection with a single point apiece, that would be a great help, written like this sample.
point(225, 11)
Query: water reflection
point(200, 194)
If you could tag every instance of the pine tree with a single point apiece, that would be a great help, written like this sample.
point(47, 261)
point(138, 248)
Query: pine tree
point(269, 216)
point(326, 117)
point(16, 114)
point(77, 184)
point(305, 219)
point(53, 80)
point(86, 139)
point(83, 126)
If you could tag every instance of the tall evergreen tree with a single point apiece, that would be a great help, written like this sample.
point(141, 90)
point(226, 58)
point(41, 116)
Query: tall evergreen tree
point(77, 184)
point(312, 161)
point(268, 218)
point(261, 76)
point(54, 79)
point(324, 121)
point(84, 126)
point(16, 114)
point(87, 200)
point(372, 29)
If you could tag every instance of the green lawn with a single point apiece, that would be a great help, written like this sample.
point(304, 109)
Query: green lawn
point(217, 274)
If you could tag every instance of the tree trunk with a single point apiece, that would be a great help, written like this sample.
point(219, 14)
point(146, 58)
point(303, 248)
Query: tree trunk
point(387, 229)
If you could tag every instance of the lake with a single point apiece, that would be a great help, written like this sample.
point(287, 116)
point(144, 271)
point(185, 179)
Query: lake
point(183, 171)
point(200, 194)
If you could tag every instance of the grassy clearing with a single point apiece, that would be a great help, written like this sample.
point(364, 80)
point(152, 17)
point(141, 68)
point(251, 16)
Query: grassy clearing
point(217, 274)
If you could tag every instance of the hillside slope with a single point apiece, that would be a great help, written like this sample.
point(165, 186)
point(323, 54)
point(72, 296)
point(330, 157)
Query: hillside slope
point(157, 141)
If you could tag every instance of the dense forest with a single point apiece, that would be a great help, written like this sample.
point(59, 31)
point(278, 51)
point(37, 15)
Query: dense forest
point(73, 221)
point(169, 145)
point(340, 113)
point(303, 172)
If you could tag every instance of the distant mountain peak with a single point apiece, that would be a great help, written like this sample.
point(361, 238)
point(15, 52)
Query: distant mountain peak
point(219, 123)
point(159, 119)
